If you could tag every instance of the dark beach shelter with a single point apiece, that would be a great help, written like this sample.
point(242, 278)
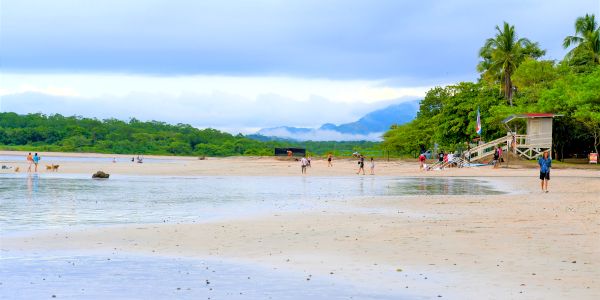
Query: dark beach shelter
point(295, 151)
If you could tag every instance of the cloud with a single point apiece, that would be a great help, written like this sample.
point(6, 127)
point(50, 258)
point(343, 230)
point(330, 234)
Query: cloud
point(323, 39)
point(48, 90)
point(219, 110)
point(320, 135)
point(101, 85)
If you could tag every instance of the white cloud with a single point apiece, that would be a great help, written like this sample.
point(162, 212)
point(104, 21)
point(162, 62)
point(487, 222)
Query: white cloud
point(220, 110)
point(248, 87)
point(48, 90)
point(321, 135)
point(235, 104)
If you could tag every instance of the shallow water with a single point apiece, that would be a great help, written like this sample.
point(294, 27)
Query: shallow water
point(139, 277)
point(53, 201)
point(44, 201)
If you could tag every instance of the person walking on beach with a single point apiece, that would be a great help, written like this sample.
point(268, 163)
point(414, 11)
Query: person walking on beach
point(36, 161)
point(303, 164)
point(422, 159)
point(329, 159)
point(29, 162)
point(361, 165)
point(372, 166)
point(495, 160)
point(545, 163)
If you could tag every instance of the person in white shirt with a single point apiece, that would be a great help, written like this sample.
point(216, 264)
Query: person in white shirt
point(303, 164)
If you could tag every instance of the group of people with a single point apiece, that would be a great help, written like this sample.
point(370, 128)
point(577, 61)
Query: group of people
point(444, 159)
point(33, 160)
point(544, 163)
point(306, 163)
point(361, 165)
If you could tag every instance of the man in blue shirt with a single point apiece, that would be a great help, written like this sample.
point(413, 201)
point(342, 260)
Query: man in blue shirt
point(545, 163)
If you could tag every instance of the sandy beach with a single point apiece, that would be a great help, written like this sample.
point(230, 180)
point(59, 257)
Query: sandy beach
point(524, 244)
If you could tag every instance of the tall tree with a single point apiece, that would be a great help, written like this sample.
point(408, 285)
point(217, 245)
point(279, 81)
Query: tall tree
point(586, 39)
point(502, 54)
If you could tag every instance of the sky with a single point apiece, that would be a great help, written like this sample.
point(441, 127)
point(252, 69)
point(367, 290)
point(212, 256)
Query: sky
point(244, 65)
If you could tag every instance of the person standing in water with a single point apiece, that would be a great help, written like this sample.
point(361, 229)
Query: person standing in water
point(29, 162)
point(545, 163)
point(36, 161)
point(303, 164)
point(361, 165)
point(329, 159)
point(372, 166)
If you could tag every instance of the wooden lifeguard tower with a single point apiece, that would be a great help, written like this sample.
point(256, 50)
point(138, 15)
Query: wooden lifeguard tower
point(538, 138)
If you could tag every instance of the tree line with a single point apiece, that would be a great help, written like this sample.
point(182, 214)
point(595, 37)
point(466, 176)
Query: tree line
point(39, 132)
point(514, 79)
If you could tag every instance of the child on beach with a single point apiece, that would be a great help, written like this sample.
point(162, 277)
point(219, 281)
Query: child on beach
point(329, 158)
point(422, 159)
point(29, 162)
point(372, 166)
point(545, 163)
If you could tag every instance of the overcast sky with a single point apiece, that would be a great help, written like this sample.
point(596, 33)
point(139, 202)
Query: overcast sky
point(244, 65)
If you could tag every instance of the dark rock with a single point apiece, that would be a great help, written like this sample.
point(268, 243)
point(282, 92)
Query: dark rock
point(100, 174)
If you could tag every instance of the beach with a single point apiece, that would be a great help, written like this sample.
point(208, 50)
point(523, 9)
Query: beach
point(518, 243)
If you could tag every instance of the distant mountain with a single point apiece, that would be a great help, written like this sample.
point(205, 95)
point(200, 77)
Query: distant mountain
point(369, 127)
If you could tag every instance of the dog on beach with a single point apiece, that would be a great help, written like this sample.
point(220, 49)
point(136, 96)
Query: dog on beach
point(53, 168)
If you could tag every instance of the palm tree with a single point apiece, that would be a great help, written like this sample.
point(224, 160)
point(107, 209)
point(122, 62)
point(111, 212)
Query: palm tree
point(503, 54)
point(586, 39)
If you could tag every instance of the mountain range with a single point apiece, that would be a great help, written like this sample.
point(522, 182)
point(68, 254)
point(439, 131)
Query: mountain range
point(370, 127)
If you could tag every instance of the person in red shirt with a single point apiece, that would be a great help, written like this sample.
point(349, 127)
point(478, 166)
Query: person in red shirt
point(422, 159)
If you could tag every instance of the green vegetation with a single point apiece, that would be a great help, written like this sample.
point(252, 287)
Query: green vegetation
point(447, 115)
point(38, 132)
point(503, 54)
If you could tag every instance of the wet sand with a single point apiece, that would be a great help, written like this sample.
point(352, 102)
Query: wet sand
point(522, 245)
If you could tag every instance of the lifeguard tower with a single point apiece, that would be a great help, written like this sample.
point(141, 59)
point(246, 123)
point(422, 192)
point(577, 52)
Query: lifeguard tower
point(538, 138)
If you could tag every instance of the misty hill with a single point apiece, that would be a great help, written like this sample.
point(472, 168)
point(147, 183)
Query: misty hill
point(369, 127)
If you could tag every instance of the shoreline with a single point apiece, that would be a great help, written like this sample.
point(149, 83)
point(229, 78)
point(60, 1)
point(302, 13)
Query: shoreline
point(272, 166)
point(467, 246)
